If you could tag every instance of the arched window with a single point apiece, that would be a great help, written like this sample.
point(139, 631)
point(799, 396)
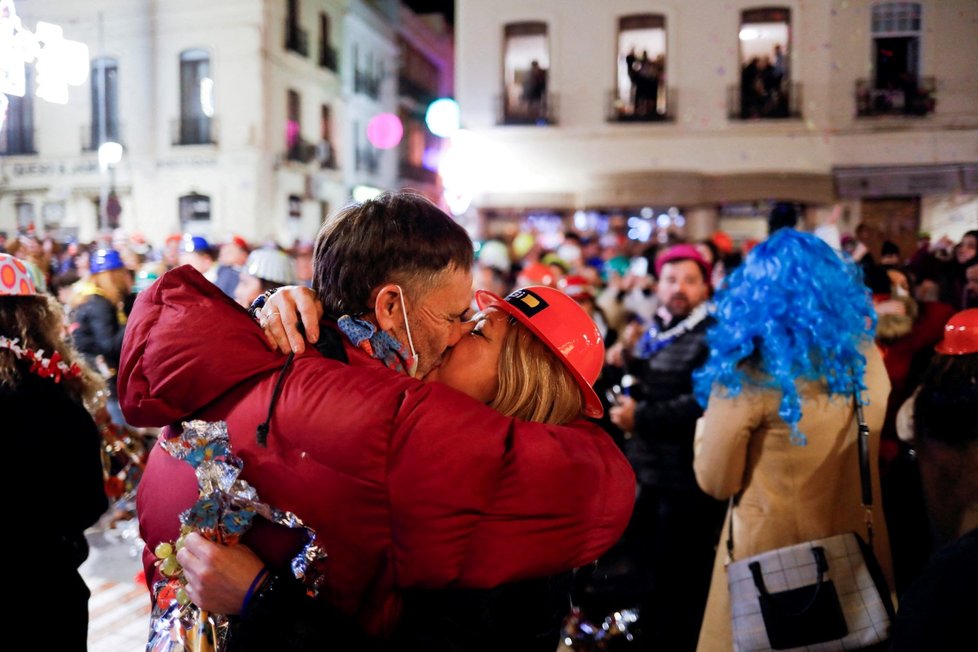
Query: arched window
point(765, 89)
point(196, 98)
point(640, 69)
point(526, 69)
point(105, 102)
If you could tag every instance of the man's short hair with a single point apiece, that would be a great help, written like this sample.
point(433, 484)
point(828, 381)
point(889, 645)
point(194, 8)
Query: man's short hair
point(394, 238)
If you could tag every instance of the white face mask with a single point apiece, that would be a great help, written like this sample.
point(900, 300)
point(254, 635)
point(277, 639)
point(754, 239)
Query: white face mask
point(411, 363)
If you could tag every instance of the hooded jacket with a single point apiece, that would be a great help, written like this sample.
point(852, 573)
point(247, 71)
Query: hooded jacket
point(409, 485)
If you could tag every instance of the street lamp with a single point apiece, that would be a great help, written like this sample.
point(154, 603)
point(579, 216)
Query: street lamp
point(109, 155)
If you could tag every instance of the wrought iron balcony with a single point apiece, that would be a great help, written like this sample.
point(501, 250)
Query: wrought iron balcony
point(17, 141)
point(328, 57)
point(367, 160)
point(912, 98)
point(662, 110)
point(542, 112)
point(91, 139)
point(194, 130)
point(783, 101)
point(366, 84)
point(296, 39)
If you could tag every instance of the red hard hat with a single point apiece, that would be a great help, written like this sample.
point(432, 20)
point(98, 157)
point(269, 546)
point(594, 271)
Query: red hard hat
point(563, 326)
point(960, 334)
point(539, 274)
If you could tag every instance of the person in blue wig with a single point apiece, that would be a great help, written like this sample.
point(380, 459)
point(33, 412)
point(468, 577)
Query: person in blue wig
point(793, 339)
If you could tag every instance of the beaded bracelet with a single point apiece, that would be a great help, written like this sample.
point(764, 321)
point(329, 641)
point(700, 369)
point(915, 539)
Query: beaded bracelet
point(255, 583)
point(260, 301)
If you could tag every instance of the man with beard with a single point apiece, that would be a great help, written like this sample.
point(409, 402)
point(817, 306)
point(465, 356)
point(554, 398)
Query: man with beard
point(670, 539)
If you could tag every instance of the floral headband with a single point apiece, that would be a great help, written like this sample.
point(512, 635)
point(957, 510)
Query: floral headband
point(54, 367)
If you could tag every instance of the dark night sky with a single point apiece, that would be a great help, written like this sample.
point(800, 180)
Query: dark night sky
point(446, 7)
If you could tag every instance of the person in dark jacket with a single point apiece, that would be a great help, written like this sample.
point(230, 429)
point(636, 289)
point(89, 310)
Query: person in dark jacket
point(411, 486)
point(99, 322)
point(938, 610)
point(670, 539)
point(43, 391)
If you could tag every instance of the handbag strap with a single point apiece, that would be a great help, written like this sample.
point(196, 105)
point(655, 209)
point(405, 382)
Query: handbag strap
point(865, 479)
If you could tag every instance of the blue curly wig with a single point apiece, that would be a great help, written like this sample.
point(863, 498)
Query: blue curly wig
point(793, 310)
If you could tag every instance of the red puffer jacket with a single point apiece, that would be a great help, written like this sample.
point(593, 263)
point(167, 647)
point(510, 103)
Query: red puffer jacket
point(409, 485)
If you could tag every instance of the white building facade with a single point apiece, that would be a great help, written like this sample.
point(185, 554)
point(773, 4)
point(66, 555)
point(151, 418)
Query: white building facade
point(721, 108)
point(236, 116)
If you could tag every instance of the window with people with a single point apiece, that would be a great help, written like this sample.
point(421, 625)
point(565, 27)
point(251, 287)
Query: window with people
point(896, 86)
point(765, 89)
point(641, 91)
point(526, 68)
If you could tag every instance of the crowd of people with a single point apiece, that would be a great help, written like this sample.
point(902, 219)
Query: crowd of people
point(577, 442)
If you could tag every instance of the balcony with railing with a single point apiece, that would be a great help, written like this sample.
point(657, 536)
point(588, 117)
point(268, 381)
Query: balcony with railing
point(542, 112)
point(329, 57)
point(414, 172)
point(296, 39)
point(17, 141)
point(663, 109)
point(755, 103)
point(366, 83)
point(92, 138)
point(407, 87)
point(300, 151)
point(194, 130)
point(367, 160)
point(912, 98)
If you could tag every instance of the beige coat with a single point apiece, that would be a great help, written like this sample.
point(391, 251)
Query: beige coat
point(791, 494)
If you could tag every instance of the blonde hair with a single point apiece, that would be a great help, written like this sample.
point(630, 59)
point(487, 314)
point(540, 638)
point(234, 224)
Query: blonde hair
point(38, 321)
point(108, 286)
point(534, 384)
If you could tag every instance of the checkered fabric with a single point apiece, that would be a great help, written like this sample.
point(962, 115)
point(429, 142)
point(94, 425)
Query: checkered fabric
point(792, 567)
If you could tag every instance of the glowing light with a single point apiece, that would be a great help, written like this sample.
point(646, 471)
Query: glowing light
point(384, 131)
point(443, 117)
point(59, 62)
point(365, 193)
point(207, 96)
point(749, 34)
point(109, 153)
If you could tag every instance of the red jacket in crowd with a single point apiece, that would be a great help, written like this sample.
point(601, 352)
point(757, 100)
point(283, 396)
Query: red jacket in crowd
point(408, 484)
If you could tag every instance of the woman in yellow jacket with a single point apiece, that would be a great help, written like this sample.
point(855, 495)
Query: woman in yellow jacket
point(794, 333)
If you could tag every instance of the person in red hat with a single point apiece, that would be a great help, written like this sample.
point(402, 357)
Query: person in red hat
point(938, 610)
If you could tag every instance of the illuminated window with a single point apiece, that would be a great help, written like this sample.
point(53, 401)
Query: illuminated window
point(641, 69)
point(765, 89)
point(526, 69)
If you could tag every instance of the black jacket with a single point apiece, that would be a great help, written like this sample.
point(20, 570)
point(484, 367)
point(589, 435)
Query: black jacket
point(661, 448)
point(97, 332)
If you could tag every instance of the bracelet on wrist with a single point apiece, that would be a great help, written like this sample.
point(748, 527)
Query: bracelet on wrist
point(256, 583)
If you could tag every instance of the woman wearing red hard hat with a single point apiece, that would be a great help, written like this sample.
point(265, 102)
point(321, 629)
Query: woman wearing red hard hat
point(534, 355)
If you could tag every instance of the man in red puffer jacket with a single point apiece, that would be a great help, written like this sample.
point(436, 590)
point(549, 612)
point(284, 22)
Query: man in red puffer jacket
point(409, 485)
